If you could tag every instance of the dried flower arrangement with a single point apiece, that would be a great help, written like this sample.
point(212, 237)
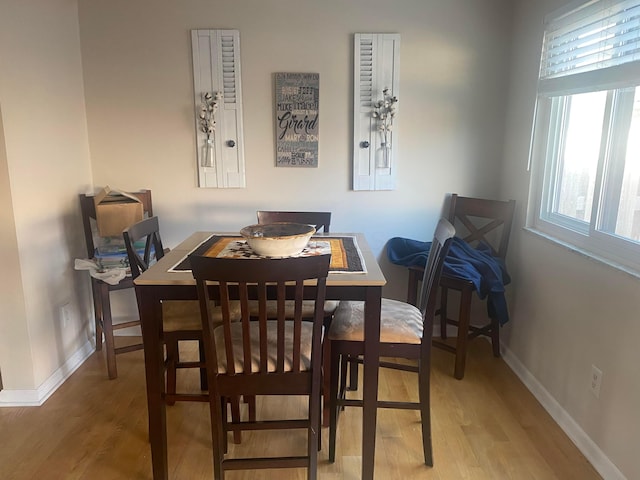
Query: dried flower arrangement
point(207, 115)
point(207, 124)
point(384, 111)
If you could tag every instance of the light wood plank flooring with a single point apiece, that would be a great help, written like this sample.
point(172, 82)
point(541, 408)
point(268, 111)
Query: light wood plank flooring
point(487, 426)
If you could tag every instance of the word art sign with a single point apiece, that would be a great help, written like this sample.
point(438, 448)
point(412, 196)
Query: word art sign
point(297, 119)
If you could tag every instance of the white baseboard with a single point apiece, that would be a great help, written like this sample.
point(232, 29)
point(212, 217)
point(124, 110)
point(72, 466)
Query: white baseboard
point(589, 449)
point(35, 398)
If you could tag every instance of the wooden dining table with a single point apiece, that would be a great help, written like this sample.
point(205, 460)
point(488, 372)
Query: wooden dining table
point(165, 281)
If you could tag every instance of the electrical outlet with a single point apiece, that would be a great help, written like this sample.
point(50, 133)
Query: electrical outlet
point(596, 381)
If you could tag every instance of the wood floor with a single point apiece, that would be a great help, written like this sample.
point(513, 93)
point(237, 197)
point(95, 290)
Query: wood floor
point(487, 426)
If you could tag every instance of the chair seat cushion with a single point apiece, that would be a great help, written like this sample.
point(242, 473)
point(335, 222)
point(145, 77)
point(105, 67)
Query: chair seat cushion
point(289, 305)
point(178, 315)
point(236, 335)
point(400, 322)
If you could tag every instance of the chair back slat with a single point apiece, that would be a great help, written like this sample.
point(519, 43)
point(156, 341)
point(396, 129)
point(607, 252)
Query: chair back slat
point(269, 345)
point(246, 325)
point(297, 328)
point(225, 303)
point(478, 219)
point(320, 220)
point(262, 318)
point(442, 238)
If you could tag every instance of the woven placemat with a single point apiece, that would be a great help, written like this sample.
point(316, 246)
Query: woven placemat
point(345, 254)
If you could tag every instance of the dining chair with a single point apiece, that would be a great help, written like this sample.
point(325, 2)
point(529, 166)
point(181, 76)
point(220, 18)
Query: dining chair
point(320, 220)
point(101, 290)
point(180, 318)
point(405, 332)
point(279, 356)
point(322, 223)
point(476, 220)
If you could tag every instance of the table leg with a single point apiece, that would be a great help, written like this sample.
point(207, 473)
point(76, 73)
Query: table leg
point(150, 317)
point(370, 379)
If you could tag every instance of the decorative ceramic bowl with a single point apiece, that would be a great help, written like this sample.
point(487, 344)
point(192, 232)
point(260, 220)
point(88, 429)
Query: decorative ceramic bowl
point(279, 240)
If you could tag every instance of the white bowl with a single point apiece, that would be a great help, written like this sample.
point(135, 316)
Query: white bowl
point(281, 239)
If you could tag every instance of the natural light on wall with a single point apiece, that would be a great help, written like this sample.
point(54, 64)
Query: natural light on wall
point(586, 144)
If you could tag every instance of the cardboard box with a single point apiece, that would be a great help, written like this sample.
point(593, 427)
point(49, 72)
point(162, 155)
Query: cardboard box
point(115, 211)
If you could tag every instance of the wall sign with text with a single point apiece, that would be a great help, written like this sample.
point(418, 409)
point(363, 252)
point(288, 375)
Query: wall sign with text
point(297, 119)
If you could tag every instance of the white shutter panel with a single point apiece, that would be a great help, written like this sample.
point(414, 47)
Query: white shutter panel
point(376, 66)
point(216, 68)
point(363, 145)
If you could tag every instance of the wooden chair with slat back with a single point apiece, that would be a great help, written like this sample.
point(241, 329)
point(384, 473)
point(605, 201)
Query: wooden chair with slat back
point(322, 223)
point(101, 290)
point(280, 356)
point(405, 332)
point(475, 220)
point(320, 220)
point(181, 320)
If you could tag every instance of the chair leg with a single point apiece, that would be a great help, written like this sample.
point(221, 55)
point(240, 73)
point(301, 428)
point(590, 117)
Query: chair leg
point(425, 410)
point(343, 364)
point(495, 337)
point(97, 311)
point(353, 376)
point(326, 380)
point(107, 326)
point(235, 418)
point(225, 424)
point(444, 296)
point(336, 360)
point(250, 400)
point(173, 357)
point(203, 371)
point(464, 319)
point(218, 416)
point(313, 430)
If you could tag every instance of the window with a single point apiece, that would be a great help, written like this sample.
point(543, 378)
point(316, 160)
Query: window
point(586, 148)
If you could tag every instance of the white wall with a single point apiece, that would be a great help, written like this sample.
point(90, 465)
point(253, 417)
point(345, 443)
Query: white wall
point(14, 339)
point(134, 73)
point(44, 164)
point(568, 312)
point(139, 92)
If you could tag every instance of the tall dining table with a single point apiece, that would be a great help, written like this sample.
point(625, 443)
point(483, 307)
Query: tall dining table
point(165, 281)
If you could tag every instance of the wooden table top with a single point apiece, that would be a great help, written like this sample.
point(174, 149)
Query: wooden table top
point(159, 273)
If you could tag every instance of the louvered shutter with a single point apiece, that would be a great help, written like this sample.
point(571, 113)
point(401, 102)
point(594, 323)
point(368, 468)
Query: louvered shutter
point(216, 68)
point(376, 66)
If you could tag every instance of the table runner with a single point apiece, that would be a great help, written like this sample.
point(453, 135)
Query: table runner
point(345, 253)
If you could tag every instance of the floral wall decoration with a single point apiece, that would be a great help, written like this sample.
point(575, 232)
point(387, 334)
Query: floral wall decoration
point(384, 111)
point(207, 123)
point(376, 88)
point(217, 102)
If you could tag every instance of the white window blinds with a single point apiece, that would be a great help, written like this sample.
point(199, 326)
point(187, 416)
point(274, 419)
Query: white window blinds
point(595, 43)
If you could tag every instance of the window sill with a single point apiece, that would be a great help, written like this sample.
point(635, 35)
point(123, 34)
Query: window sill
point(584, 253)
